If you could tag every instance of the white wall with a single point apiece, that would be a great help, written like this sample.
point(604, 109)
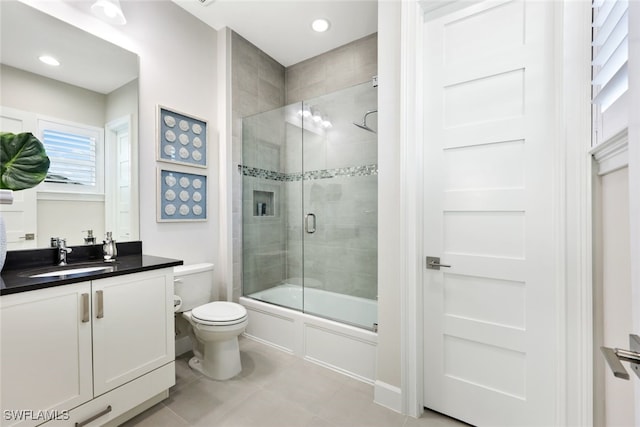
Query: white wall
point(30, 92)
point(178, 70)
point(54, 220)
point(615, 282)
point(119, 103)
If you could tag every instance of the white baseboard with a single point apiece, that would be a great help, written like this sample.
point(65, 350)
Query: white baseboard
point(388, 396)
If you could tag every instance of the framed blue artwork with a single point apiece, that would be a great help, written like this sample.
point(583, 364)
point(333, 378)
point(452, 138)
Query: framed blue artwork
point(181, 196)
point(182, 138)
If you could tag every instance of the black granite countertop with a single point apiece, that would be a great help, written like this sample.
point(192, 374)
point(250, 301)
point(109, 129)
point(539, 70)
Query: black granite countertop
point(22, 264)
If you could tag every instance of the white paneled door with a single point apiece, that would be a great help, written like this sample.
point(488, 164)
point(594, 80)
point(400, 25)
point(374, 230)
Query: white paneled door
point(490, 318)
point(20, 217)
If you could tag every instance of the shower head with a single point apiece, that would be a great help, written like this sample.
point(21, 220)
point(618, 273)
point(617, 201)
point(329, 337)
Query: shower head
point(363, 125)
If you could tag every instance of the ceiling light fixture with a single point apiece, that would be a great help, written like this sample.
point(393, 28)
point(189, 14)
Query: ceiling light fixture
point(320, 25)
point(109, 11)
point(49, 60)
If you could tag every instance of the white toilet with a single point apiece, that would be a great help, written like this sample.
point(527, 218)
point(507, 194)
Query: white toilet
point(215, 326)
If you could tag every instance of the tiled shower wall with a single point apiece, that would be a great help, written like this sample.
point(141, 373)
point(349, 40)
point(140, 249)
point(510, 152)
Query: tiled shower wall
point(340, 68)
point(264, 231)
point(257, 86)
point(274, 241)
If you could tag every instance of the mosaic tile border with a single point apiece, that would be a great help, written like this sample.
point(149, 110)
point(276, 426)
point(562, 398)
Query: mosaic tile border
point(366, 170)
point(261, 173)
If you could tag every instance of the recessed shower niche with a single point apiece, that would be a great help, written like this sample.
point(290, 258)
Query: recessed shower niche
point(263, 202)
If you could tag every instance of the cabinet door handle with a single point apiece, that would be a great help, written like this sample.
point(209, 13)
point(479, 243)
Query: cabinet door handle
point(100, 296)
point(96, 416)
point(85, 308)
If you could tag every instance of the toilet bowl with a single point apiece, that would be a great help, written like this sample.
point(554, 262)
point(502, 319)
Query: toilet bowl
point(214, 326)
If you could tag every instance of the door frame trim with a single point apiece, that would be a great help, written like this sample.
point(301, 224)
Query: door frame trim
point(111, 131)
point(411, 183)
point(634, 166)
point(572, 213)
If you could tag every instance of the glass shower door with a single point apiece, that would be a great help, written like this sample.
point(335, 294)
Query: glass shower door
point(340, 205)
point(310, 204)
point(271, 205)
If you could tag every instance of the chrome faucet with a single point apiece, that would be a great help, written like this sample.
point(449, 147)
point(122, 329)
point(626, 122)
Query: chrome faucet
point(63, 250)
point(109, 248)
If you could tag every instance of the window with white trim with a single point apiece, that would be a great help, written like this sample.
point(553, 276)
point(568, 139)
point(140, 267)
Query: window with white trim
point(76, 153)
point(610, 68)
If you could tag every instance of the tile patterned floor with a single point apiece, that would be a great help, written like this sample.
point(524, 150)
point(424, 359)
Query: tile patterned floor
point(279, 390)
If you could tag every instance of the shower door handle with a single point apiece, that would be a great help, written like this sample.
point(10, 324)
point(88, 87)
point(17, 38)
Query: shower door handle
point(310, 229)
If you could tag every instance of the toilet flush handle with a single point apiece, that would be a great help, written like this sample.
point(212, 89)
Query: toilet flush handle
point(177, 303)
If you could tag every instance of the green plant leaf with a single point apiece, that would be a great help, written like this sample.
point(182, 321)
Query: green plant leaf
point(23, 161)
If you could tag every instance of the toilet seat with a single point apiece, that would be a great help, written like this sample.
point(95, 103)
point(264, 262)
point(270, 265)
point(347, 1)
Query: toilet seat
point(219, 313)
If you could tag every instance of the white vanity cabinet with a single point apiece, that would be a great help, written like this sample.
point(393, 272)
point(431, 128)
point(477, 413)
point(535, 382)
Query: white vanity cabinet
point(95, 349)
point(133, 327)
point(45, 351)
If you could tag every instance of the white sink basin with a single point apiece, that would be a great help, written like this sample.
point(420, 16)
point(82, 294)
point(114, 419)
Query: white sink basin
point(70, 271)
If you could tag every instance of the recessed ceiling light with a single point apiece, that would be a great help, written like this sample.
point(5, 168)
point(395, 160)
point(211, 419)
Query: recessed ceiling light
point(49, 60)
point(320, 25)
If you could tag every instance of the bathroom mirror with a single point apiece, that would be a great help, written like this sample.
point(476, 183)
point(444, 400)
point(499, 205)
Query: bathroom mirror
point(94, 86)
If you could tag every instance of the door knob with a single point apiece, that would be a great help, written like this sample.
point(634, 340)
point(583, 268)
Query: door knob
point(433, 263)
point(614, 356)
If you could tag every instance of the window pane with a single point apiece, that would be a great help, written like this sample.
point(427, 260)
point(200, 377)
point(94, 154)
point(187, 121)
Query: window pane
point(73, 158)
point(611, 52)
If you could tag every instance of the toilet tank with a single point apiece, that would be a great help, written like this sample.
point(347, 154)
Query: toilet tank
point(193, 284)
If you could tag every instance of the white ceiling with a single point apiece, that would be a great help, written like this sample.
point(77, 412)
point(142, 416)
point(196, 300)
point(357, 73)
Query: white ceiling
point(86, 61)
point(282, 28)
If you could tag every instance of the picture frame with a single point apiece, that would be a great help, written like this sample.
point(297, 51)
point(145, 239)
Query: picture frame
point(182, 138)
point(182, 196)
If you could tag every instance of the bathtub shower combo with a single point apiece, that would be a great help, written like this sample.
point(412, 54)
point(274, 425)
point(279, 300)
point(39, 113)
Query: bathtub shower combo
point(310, 203)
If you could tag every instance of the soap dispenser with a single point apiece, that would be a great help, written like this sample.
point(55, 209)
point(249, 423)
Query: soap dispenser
point(90, 239)
point(109, 250)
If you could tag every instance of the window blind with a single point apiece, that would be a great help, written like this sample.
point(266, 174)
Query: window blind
point(610, 51)
point(73, 158)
